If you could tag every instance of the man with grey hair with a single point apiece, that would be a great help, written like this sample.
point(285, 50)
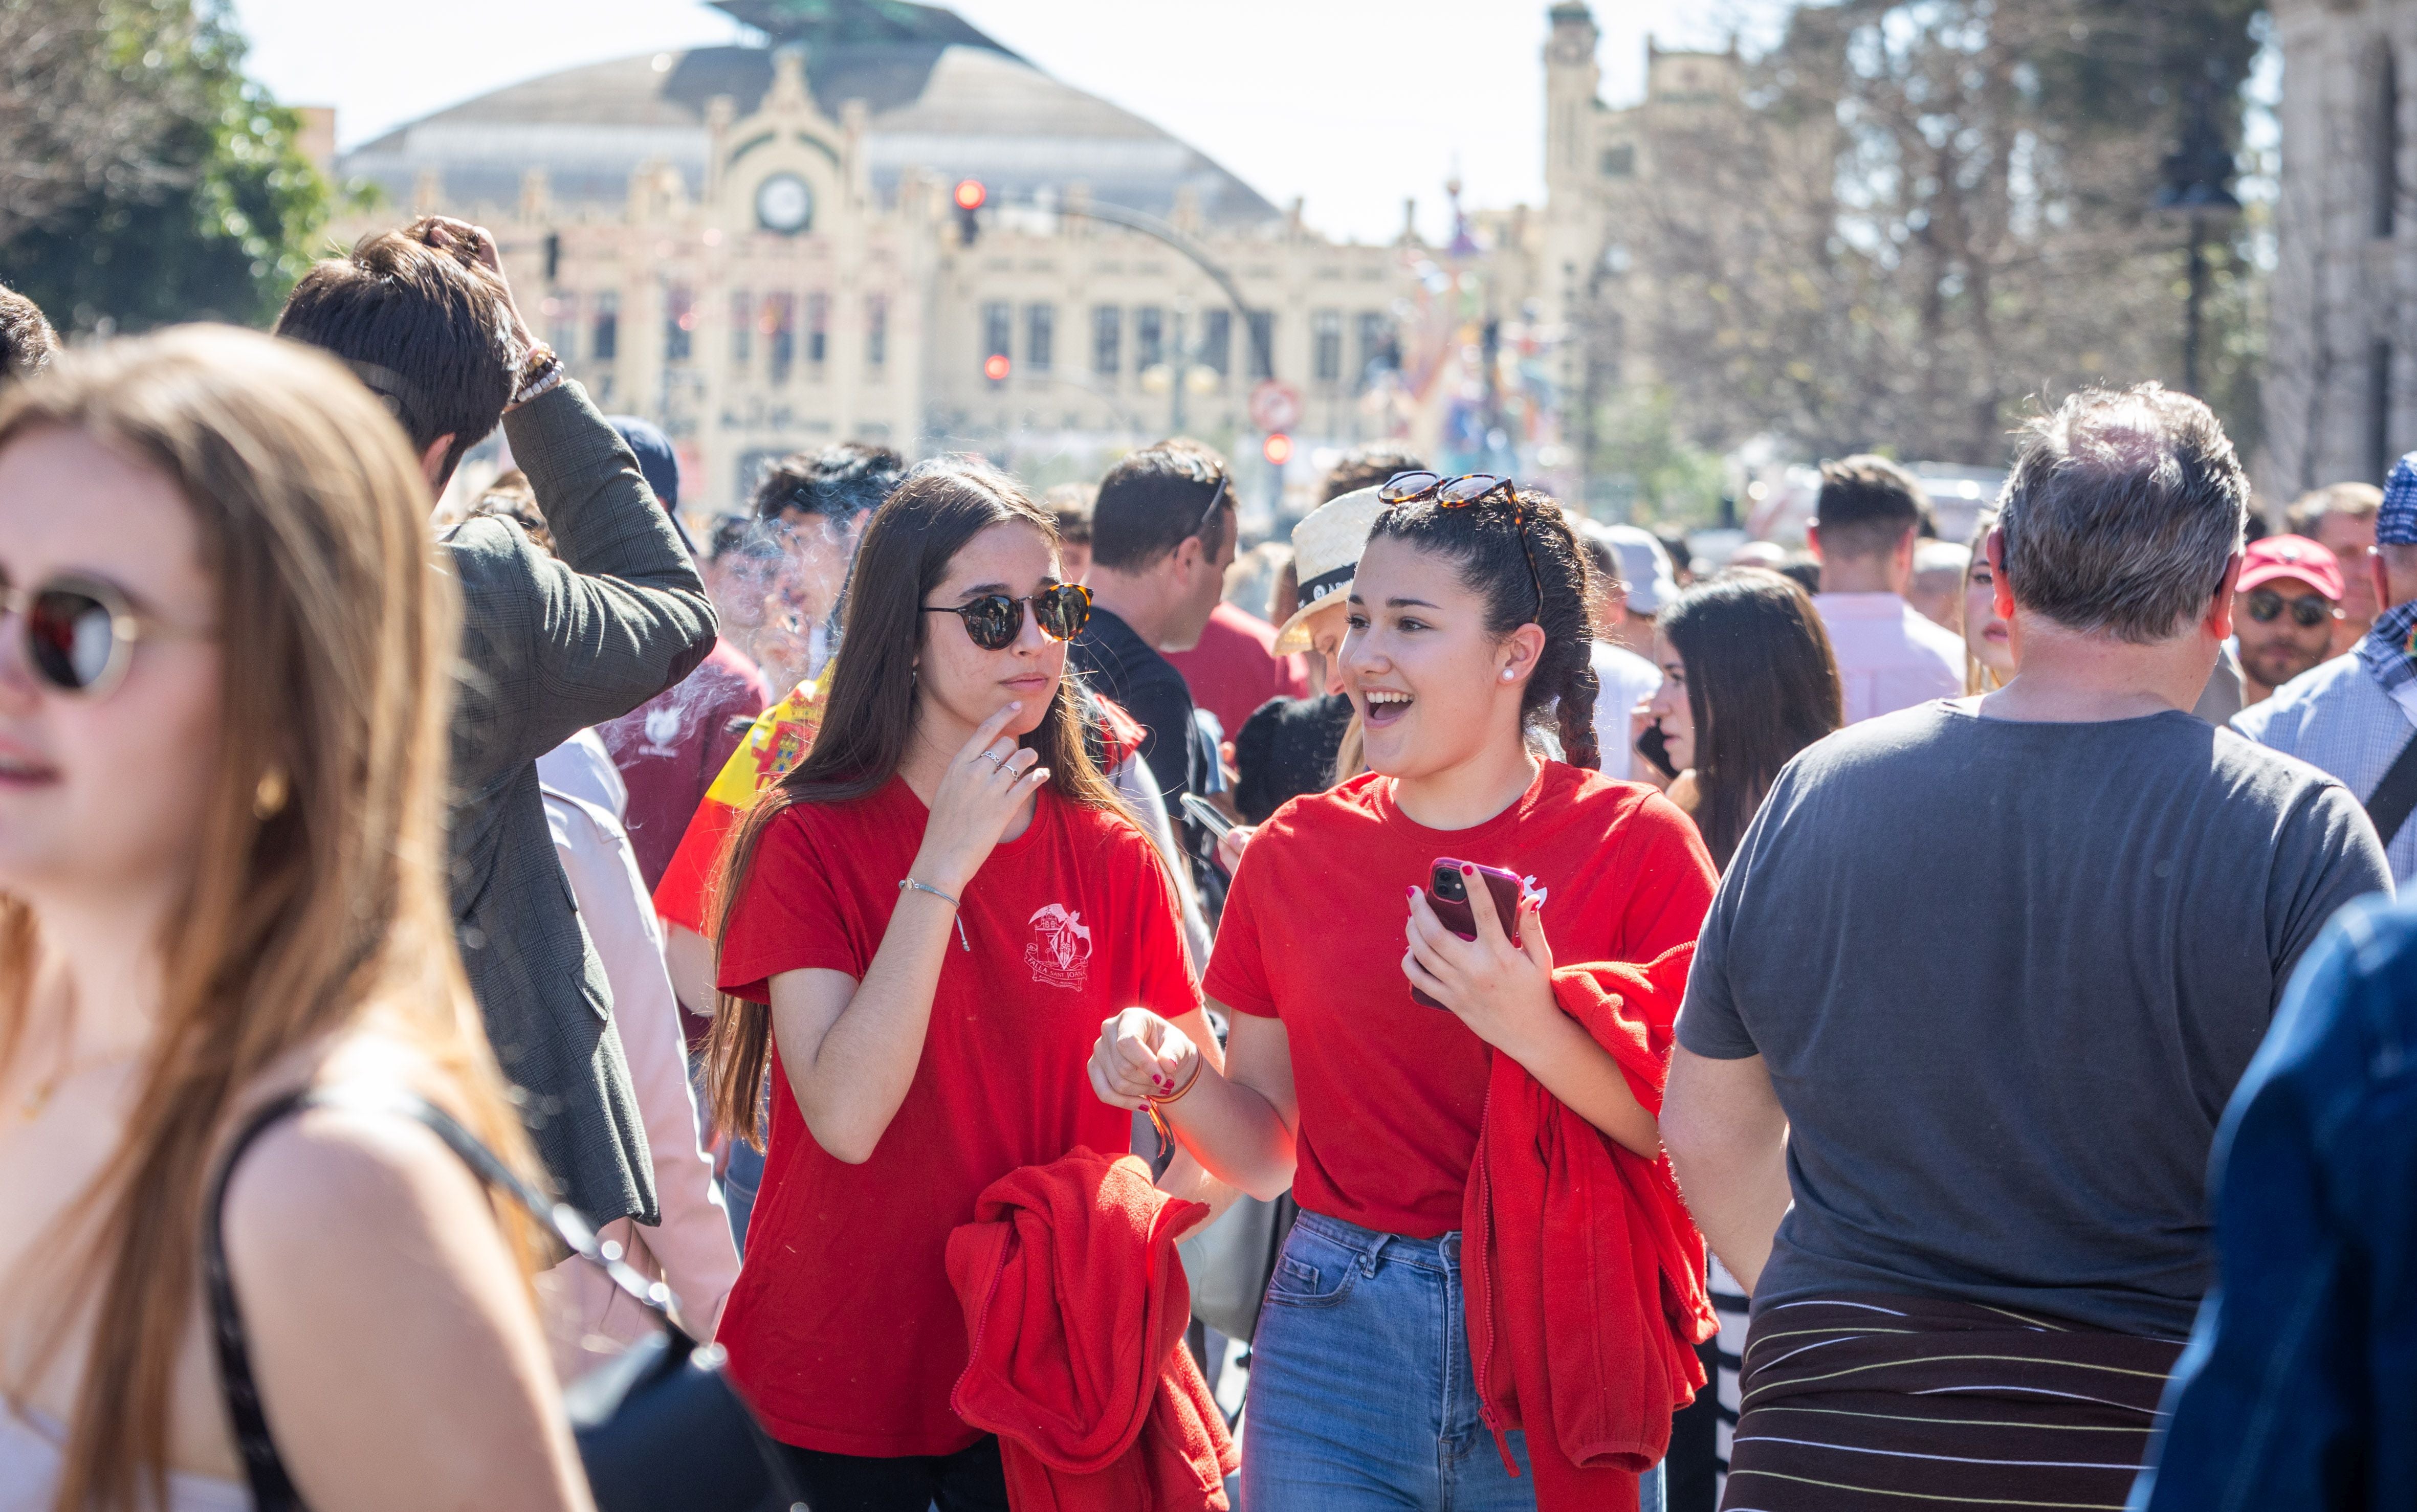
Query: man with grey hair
point(2353, 716)
point(1954, 1099)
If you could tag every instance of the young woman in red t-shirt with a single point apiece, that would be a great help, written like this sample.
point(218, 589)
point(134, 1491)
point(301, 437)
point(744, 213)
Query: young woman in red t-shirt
point(927, 920)
point(1468, 628)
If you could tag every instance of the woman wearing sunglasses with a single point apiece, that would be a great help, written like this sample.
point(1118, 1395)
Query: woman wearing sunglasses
point(224, 666)
point(925, 923)
point(1469, 633)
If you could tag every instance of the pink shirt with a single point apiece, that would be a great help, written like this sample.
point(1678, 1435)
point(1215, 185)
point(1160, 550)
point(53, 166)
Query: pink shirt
point(1888, 657)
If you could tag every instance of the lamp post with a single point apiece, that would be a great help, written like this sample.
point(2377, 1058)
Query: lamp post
point(2197, 175)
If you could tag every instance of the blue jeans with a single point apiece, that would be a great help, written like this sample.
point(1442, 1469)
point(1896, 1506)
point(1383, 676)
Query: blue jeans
point(1360, 1394)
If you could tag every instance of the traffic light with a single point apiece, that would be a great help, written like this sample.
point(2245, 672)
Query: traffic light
point(995, 368)
point(1277, 448)
point(970, 197)
point(553, 257)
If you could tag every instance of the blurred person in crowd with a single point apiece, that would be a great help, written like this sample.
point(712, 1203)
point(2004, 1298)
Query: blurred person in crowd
point(2297, 1390)
point(929, 918)
point(1889, 658)
point(1747, 680)
point(1804, 569)
point(1678, 555)
point(740, 559)
point(1291, 745)
point(1470, 628)
point(1163, 535)
point(1367, 465)
point(691, 1250)
point(1626, 680)
point(1233, 667)
point(2341, 519)
point(669, 748)
point(2283, 612)
point(815, 504)
point(1936, 588)
point(2351, 716)
point(1770, 555)
point(1070, 506)
point(224, 671)
point(26, 340)
point(553, 642)
point(1988, 644)
point(2150, 882)
point(1645, 573)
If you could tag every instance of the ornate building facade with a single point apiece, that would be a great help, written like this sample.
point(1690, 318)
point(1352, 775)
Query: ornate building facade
point(758, 246)
point(2341, 376)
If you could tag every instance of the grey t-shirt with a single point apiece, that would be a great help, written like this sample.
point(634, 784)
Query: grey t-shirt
point(2004, 977)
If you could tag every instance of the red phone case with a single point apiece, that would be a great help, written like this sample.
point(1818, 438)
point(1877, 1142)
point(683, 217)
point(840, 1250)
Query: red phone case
point(1507, 888)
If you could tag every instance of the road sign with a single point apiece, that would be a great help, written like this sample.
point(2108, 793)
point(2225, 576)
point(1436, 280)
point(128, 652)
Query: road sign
point(1275, 406)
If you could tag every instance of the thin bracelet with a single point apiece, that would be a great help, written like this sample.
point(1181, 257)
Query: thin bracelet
point(1156, 1119)
point(927, 887)
point(1176, 1095)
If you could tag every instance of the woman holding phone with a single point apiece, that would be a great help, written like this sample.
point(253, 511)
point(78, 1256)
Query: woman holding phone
point(925, 921)
point(1468, 628)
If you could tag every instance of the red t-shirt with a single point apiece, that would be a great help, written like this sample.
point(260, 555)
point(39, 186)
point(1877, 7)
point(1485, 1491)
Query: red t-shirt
point(843, 1329)
point(1235, 669)
point(1391, 1094)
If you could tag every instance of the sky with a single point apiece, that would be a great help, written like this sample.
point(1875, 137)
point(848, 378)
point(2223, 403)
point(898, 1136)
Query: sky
point(1254, 83)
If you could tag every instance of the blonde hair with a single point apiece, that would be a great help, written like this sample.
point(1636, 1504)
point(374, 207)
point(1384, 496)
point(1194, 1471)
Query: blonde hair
point(337, 635)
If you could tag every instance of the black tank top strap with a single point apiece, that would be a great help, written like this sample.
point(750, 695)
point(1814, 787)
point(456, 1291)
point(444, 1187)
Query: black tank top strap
point(272, 1489)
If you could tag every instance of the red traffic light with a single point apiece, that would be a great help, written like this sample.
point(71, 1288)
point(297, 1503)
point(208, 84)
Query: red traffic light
point(995, 370)
point(971, 195)
point(1277, 448)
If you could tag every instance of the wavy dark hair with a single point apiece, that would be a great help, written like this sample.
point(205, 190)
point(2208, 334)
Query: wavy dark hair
point(869, 716)
point(1762, 684)
point(1487, 543)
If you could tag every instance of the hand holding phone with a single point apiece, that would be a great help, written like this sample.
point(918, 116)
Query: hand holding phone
point(1206, 814)
point(1448, 895)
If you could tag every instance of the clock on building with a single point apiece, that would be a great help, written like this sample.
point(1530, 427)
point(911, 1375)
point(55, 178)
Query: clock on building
point(784, 203)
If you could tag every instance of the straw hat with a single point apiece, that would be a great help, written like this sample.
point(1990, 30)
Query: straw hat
point(1326, 548)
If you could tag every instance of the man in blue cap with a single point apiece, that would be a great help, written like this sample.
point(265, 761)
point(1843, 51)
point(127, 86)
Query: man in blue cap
point(2356, 715)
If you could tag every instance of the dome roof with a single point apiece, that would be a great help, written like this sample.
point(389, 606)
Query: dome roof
point(951, 100)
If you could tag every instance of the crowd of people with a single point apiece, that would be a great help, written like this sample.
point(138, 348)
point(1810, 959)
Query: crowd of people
point(1908, 1019)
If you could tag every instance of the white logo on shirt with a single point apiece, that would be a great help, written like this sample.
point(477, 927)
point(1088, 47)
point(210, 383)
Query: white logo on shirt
point(1060, 956)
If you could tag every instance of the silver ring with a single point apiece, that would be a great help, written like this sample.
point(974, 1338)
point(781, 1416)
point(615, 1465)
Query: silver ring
point(994, 757)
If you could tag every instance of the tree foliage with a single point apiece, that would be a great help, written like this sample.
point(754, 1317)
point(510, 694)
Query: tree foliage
point(146, 180)
point(1928, 214)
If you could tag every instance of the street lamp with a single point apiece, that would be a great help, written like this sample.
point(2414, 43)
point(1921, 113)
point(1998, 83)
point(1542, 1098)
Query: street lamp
point(2196, 175)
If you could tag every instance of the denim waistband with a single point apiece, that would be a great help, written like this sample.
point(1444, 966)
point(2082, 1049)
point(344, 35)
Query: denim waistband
point(1440, 1253)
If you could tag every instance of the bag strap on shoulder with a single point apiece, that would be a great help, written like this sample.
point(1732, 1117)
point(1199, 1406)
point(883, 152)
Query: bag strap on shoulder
point(2395, 796)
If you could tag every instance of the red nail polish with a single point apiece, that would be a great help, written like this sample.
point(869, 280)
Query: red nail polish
point(1468, 872)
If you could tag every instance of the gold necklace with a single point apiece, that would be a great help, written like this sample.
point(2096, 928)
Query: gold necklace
point(30, 1110)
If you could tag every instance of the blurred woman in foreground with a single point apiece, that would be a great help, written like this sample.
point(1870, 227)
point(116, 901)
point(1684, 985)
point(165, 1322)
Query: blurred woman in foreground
point(224, 658)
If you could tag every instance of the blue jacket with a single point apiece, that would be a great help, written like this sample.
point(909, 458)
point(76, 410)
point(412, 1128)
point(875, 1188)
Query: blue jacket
point(2300, 1385)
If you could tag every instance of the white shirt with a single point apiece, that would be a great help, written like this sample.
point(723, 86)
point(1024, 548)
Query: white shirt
point(1888, 657)
point(1627, 680)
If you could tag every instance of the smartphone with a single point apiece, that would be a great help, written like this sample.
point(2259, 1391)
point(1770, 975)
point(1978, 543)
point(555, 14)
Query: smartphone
point(1655, 750)
point(1208, 815)
point(1448, 895)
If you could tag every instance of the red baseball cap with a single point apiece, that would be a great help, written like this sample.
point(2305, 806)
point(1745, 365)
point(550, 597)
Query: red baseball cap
point(2290, 556)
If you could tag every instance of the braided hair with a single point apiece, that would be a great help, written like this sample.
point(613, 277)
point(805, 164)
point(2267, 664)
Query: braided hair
point(1492, 544)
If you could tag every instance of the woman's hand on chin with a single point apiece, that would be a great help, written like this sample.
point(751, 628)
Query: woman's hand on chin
point(984, 784)
point(1502, 991)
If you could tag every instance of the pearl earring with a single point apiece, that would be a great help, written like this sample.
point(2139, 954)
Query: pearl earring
point(268, 796)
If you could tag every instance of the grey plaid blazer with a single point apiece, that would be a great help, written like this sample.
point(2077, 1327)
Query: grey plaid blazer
point(550, 645)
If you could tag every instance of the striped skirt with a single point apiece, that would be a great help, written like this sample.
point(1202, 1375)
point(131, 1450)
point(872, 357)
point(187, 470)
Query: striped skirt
point(1888, 1402)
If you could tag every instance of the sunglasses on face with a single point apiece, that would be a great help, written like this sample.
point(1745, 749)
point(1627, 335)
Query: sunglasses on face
point(80, 632)
point(2308, 610)
point(1466, 492)
point(994, 621)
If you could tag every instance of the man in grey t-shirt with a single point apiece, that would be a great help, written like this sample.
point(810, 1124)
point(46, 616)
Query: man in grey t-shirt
point(1974, 992)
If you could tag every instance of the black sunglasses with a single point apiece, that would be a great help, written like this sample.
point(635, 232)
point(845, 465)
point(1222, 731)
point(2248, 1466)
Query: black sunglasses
point(1467, 492)
point(2308, 610)
point(994, 621)
point(1215, 500)
point(80, 632)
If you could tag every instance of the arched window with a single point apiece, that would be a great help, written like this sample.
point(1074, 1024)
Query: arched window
point(2383, 141)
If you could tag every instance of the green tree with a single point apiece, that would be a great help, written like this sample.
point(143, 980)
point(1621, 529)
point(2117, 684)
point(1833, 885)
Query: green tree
point(204, 209)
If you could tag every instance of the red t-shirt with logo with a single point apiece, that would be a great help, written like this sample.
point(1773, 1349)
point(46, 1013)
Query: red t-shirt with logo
point(843, 1329)
point(1391, 1093)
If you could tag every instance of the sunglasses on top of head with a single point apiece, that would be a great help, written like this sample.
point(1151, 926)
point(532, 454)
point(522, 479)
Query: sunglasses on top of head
point(994, 620)
point(1467, 492)
point(2308, 610)
point(80, 632)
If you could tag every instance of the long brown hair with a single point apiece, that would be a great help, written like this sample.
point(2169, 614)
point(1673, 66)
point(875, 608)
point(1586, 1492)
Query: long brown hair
point(869, 718)
point(1762, 684)
point(1494, 544)
point(338, 635)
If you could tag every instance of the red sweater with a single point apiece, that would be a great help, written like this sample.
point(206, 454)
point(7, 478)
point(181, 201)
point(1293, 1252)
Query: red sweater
point(1584, 1276)
point(1076, 1306)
